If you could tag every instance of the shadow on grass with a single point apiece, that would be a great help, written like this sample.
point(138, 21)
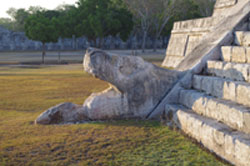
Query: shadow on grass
point(128, 123)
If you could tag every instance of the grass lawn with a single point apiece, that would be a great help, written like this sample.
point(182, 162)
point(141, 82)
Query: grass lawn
point(26, 91)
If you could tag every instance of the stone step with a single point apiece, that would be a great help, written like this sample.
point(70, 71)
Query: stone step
point(242, 38)
point(227, 89)
point(230, 145)
point(233, 71)
point(237, 54)
point(234, 115)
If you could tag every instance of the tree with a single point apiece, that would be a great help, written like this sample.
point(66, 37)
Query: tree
point(155, 16)
point(6, 23)
point(162, 12)
point(141, 9)
point(18, 16)
point(205, 7)
point(101, 18)
point(40, 27)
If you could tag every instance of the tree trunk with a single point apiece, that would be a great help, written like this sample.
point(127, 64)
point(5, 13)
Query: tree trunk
point(74, 42)
point(144, 40)
point(59, 56)
point(43, 54)
point(59, 52)
point(155, 44)
point(100, 44)
point(95, 42)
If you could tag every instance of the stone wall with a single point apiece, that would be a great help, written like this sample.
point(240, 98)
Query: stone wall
point(186, 35)
point(235, 19)
point(17, 41)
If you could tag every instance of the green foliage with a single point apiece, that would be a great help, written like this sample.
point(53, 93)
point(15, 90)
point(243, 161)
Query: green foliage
point(41, 27)
point(187, 9)
point(19, 17)
point(101, 18)
point(6, 23)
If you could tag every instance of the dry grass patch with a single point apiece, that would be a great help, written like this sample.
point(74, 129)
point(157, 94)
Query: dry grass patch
point(26, 91)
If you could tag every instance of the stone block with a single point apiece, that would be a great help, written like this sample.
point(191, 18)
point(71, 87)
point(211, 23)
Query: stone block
point(242, 38)
point(243, 94)
point(239, 72)
point(207, 136)
point(243, 71)
point(242, 151)
point(238, 38)
point(211, 108)
point(227, 67)
point(207, 85)
point(231, 115)
point(199, 105)
point(226, 53)
point(197, 82)
point(194, 126)
point(224, 3)
point(248, 54)
point(246, 117)
point(211, 67)
point(239, 54)
point(217, 87)
point(229, 147)
point(229, 91)
point(218, 139)
point(219, 65)
point(184, 98)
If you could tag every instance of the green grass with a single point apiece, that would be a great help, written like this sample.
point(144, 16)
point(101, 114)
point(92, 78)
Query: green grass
point(25, 92)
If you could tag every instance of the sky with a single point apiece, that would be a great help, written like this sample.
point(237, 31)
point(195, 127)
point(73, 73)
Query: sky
point(49, 4)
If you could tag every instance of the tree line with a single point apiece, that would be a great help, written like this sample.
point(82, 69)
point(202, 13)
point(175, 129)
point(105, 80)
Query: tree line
point(96, 19)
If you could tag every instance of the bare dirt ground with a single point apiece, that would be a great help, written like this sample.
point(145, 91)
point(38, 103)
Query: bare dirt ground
point(52, 57)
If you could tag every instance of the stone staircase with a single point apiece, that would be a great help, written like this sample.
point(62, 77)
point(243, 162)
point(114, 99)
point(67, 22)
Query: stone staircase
point(216, 109)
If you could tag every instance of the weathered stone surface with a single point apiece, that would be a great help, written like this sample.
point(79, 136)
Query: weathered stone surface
point(229, 91)
point(186, 35)
point(248, 54)
point(193, 100)
point(243, 94)
point(224, 3)
point(239, 54)
point(215, 134)
point(63, 113)
point(137, 86)
point(227, 112)
point(226, 53)
point(230, 145)
point(109, 104)
point(196, 82)
point(226, 89)
point(242, 38)
point(233, 71)
point(232, 18)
